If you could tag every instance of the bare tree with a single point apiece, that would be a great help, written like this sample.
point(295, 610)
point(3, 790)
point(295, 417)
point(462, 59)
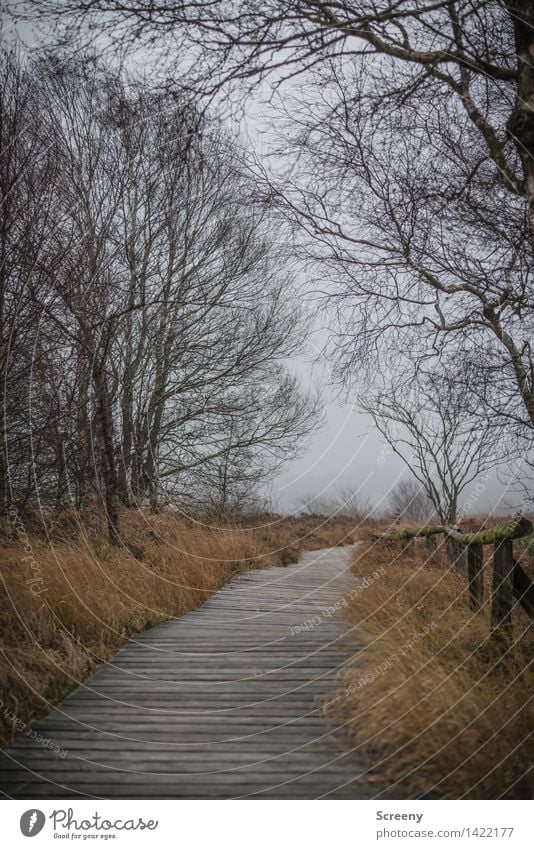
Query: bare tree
point(26, 222)
point(348, 502)
point(443, 446)
point(408, 500)
point(477, 54)
point(412, 140)
point(156, 316)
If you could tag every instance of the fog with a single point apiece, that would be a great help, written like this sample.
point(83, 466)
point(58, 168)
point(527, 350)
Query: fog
point(347, 454)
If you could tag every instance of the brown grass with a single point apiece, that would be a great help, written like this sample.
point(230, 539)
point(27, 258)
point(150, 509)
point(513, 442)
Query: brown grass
point(69, 601)
point(446, 712)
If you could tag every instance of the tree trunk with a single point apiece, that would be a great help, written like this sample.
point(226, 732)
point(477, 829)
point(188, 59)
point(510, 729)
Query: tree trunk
point(62, 488)
point(83, 432)
point(4, 490)
point(109, 468)
point(521, 121)
point(125, 460)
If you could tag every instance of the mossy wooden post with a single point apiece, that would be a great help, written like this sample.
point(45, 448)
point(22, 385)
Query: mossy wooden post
point(456, 551)
point(502, 598)
point(408, 546)
point(475, 574)
point(523, 589)
point(431, 549)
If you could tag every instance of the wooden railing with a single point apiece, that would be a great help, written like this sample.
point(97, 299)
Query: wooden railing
point(509, 580)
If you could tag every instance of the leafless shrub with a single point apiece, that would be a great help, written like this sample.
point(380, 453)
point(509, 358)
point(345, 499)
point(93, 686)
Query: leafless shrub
point(408, 500)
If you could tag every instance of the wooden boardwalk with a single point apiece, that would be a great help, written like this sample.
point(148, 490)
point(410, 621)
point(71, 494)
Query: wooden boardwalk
point(224, 702)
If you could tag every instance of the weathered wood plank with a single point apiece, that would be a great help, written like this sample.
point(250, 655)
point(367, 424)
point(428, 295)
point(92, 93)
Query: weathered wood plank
point(224, 702)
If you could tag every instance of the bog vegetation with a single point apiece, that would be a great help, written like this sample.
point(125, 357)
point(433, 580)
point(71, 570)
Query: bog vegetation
point(68, 601)
point(148, 269)
point(445, 709)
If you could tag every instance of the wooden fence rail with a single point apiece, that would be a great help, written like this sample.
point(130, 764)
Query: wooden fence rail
point(509, 580)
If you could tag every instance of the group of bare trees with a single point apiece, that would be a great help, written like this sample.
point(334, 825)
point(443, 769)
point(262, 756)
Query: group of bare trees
point(409, 131)
point(145, 312)
point(443, 444)
point(408, 500)
point(347, 502)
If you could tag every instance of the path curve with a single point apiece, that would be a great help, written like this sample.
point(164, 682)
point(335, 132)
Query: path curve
point(223, 702)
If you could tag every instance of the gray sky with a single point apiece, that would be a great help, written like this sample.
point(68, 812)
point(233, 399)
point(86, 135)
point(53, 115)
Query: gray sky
point(346, 453)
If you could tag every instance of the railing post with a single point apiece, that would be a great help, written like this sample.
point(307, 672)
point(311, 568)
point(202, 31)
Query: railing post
point(431, 549)
point(523, 589)
point(502, 599)
point(456, 553)
point(409, 546)
point(475, 574)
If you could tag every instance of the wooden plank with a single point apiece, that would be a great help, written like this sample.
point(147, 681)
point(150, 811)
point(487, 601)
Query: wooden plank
point(225, 702)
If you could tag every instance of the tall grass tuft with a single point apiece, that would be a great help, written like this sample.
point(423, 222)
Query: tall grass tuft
point(445, 710)
point(69, 601)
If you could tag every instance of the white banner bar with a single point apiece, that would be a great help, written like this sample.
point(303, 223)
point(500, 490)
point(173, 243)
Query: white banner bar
point(247, 824)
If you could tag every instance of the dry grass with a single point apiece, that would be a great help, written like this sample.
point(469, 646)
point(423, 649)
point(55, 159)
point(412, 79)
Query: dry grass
point(68, 602)
point(446, 712)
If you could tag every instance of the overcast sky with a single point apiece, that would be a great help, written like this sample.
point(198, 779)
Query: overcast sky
point(346, 453)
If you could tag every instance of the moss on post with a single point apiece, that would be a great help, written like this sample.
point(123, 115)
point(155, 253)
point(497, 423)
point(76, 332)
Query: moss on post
point(502, 599)
point(430, 530)
point(515, 528)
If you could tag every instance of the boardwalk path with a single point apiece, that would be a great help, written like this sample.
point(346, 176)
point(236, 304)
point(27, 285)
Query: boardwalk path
point(223, 702)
